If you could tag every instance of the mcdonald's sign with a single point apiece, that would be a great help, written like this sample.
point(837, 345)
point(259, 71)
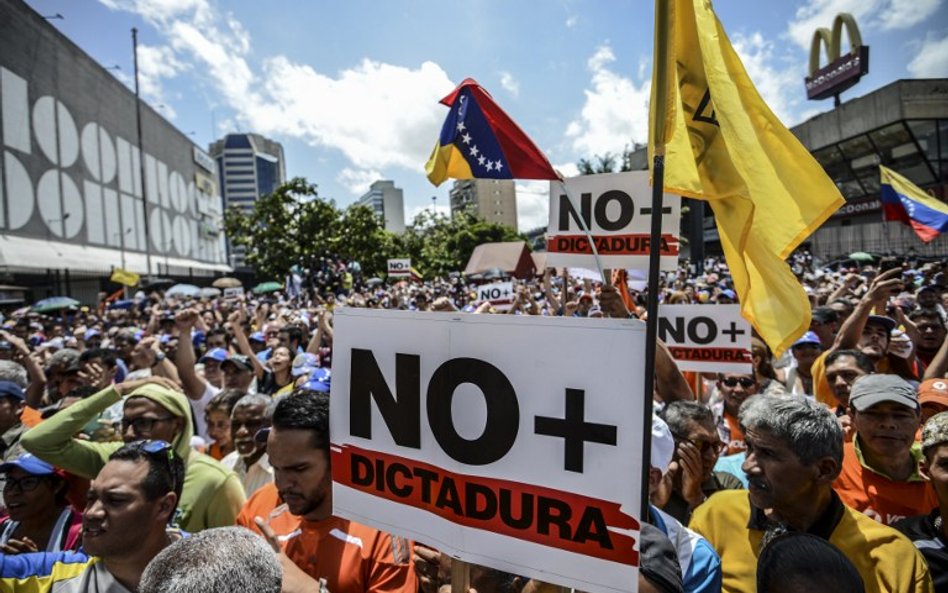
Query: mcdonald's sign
point(842, 71)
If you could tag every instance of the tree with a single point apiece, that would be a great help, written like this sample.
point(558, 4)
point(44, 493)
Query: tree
point(606, 163)
point(362, 237)
point(288, 227)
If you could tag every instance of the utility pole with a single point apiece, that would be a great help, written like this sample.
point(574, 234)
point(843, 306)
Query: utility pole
point(141, 155)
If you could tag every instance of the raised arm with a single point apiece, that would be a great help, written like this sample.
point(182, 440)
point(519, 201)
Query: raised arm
point(236, 320)
point(184, 357)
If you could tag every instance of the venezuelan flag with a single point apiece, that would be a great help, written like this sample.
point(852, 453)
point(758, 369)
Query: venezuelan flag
point(904, 201)
point(480, 141)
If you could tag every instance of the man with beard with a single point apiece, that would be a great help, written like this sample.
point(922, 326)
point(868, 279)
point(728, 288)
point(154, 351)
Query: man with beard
point(124, 525)
point(249, 458)
point(794, 453)
point(353, 558)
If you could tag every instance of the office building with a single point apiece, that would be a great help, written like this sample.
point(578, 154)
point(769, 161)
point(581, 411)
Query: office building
point(494, 200)
point(387, 201)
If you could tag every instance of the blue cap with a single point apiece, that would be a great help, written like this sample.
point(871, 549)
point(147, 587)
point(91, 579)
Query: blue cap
point(165, 338)
point(807, 338)
point(729, 294)
point(91, 333)
point(319, 380)
point(31, 464)
point(258, 337)
point(218, 354)
point(304, 363)
point(11, 389)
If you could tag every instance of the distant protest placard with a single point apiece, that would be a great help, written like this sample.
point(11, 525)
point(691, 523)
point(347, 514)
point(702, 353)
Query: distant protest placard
point(617, 210)
point(399, 268)
point(707, 338)
point(500, 295)
point(506, 441)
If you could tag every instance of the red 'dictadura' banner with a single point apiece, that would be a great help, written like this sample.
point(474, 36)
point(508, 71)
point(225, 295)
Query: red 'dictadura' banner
point(579, 524)
point(711, 354)
point(634, 244)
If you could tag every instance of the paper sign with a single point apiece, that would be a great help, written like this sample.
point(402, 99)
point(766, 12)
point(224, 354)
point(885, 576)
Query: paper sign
point(399, 268)
point(494, 438)
point(617, 210)
point(499, 294)
point(707, 338)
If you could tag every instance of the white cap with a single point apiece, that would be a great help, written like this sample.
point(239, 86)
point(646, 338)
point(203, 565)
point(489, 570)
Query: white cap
point(663, 444)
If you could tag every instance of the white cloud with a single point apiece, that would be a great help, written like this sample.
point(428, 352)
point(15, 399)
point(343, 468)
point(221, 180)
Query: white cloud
point(510, 83)
point(778, 84)
point(869, 14)
point(358, 180)
point(376, 114)
point(931, 60)
point(156, 64)
point(572, 21)
point(615, 112)
point(533, 204)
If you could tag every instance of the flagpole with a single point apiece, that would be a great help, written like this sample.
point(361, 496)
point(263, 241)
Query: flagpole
point(654, 249)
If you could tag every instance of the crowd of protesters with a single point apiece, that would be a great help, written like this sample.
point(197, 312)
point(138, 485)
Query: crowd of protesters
point(134, 438)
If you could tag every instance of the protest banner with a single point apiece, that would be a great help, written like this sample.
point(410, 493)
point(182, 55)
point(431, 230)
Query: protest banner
point(616, 207)
point(399, 268)
point(475, 435)
point(707, 338)
point(499, 294)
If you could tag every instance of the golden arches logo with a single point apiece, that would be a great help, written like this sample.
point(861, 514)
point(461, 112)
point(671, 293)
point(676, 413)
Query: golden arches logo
point(842, 70)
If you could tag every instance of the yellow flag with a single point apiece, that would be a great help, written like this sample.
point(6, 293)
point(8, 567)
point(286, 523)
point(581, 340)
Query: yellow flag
point(723, 144)
point(125, 277)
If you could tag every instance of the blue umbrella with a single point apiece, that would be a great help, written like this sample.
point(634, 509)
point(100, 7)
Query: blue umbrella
point(122, 304)
point(54, 304)
point(183, 290)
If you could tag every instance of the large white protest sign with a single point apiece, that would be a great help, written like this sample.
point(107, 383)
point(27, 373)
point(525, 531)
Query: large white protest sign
point(499, 294)
point(399, 268)
point(707, 338)
point(617, 209)
point(511, 442)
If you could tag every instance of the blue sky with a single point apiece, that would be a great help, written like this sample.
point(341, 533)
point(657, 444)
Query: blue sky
point(351, 88)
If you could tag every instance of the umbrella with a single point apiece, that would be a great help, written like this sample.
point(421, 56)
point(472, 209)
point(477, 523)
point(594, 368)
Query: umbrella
point(861, 256)
point(54, 304)
point(156, 283)
point(183, 290)
point(494, 273)
point(226, 283)
point(210, 292)
point(122, 304)
point(373, 281)
point(265, 287)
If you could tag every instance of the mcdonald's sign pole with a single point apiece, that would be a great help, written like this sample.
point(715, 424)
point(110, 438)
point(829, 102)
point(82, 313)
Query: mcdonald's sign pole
point(842, 71)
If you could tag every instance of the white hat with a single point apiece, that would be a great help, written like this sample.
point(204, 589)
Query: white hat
point(663, 444)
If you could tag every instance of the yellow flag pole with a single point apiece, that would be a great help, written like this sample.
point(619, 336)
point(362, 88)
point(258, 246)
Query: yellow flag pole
point(657, 133)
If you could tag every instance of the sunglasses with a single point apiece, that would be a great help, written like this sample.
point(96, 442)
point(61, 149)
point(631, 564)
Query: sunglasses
point(140, 425)
point(159, 450)
point(745, 382)
point(704, 446)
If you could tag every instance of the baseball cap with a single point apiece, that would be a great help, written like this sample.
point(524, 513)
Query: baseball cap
point(320, 379)
point(31, 464)
point(887, 322)
point(807, 338)
point(870, 390)
point(238, 360)
point(257, 337)
point(11, 389)
point(91, 333)
point(727, 292)
point(303, 364)
point(663, 444)
point(218, 354)
point(935, 431)
point(933, 391)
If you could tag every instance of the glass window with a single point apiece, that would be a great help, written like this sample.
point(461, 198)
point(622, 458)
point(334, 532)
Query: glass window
point(857, 147)
point(869, 178)
point(943, 137)
point(833, 163)
point(925, 134)
point(890, 136)
point(914, 167)
point(851, 189)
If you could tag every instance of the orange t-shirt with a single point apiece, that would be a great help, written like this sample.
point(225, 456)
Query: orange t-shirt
point(30, 416)
point(736, 442)
point(266, 503)
point(879, 497)
point(353, 558)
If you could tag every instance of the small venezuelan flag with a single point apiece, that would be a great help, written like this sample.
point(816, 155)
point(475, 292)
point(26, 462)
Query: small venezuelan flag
point(904, 201)
point(480, 141)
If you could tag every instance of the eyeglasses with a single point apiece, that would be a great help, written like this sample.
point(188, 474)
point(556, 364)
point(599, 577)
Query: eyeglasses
point(27, 484)
point(143, 424)
point(745, 382)
point(705, 446)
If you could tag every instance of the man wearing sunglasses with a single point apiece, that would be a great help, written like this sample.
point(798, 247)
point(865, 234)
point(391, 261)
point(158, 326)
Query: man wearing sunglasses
point(691, 474)
point(153, 409)
point(125, 523)
point(735, 389)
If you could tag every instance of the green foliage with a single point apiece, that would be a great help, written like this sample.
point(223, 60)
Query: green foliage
point(606, 163)
point(294, 226)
